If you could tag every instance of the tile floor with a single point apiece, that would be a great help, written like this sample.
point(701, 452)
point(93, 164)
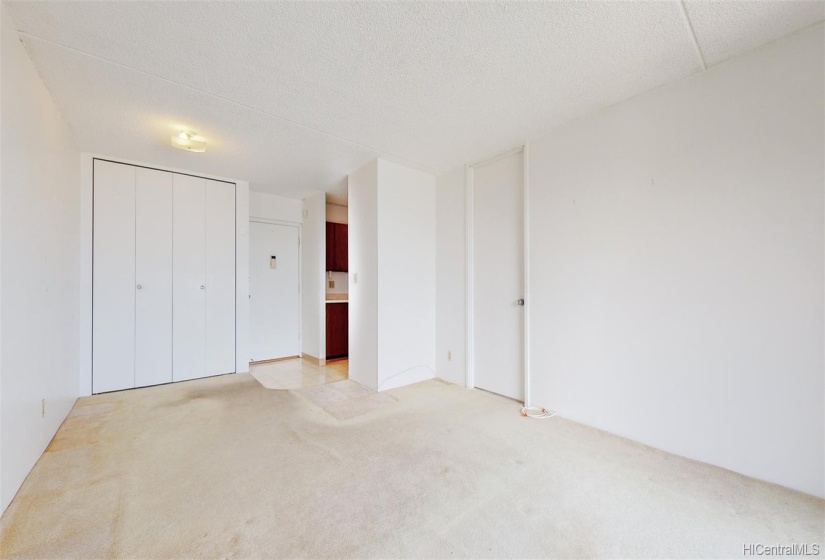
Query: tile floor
point(325, 386)
point(299, 373)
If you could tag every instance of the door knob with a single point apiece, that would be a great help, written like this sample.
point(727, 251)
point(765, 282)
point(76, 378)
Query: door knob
point(202, 288)
point(520, 302)
point(139, 286)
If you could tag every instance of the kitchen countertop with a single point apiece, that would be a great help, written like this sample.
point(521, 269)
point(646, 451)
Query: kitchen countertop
point(337, 301)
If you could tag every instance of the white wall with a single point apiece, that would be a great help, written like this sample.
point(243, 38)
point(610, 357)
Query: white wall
point(406, 275)
point(677, 266)
point(392, 254)
point(313, 265)
point(451, 278)
point(39, 263)
point(363, 272)
point(242, 345)
point(273, 207)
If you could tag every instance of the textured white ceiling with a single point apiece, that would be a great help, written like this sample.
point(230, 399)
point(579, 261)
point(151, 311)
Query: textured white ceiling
point(726, 29)
point(293, 96)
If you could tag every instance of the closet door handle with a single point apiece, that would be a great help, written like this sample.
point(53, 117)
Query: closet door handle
point(139, 286)
point(203, 287)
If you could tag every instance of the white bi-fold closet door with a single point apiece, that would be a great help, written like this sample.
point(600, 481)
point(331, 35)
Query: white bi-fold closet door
point(204, 277)
point(153, 277)
point(163, 277)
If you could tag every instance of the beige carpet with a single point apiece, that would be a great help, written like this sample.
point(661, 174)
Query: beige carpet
point(347, 399)
point(224, 467)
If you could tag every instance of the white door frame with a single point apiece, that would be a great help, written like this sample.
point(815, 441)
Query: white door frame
point(469, 170)
point(300, 268)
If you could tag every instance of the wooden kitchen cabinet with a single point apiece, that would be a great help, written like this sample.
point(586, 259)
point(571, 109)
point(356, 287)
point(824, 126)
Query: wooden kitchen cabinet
point(337, 330)
point(337, 250)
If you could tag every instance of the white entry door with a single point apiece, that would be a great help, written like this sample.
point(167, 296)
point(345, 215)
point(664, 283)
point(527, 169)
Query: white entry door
point(498, 276)
point(275, 299)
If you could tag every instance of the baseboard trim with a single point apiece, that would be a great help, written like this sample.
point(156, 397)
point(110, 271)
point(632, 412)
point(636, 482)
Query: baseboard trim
point(314, 360)
point(274, 360)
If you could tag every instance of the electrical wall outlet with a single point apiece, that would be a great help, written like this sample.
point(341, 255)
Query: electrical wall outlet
point(332, 283)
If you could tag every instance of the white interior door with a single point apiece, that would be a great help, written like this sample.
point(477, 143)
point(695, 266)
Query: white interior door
point(498, 276)
point(220, 277)
point(275, 302)
point(189, 277)
point(153, 267)
point(113, 277)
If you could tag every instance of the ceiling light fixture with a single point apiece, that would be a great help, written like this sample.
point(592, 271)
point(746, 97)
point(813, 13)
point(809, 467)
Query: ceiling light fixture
point(186, 140)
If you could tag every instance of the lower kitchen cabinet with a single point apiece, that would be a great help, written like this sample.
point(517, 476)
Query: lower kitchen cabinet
point(337, 330)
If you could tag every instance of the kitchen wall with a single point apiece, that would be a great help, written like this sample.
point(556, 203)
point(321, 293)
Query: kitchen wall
point(341, 281)
point(337, 214)
point(39, 265)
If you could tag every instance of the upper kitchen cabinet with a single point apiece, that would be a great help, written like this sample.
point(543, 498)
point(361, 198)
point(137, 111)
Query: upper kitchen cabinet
point(337, 252)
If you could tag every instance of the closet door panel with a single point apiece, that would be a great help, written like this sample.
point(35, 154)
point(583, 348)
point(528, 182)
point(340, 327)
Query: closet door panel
point(189, 282)
point(153, 265)
point(113, 277)
point(220, 277)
